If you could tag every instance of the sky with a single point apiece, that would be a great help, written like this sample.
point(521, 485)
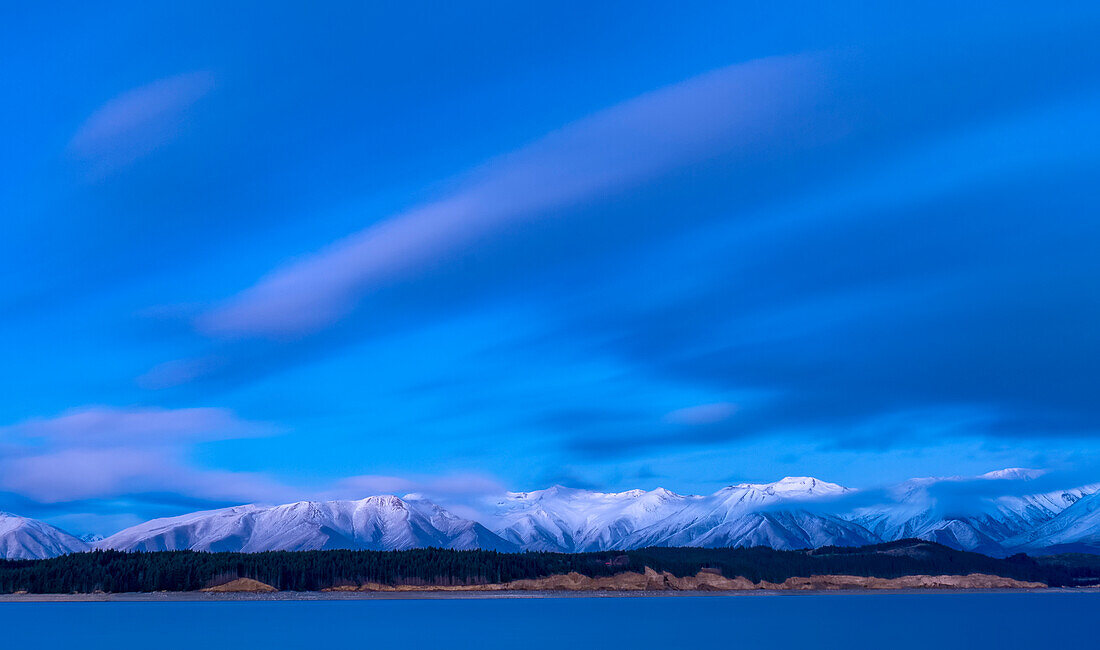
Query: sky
point(270, 251)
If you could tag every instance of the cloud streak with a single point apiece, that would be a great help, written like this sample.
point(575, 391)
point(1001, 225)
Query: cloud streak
point(138, 121)
point(739, 107)
point(465, 494)
point(83, 473)
point(102, 425)
point(93, 457)
point(701, 414)
point(105, 452)
point(436, 487)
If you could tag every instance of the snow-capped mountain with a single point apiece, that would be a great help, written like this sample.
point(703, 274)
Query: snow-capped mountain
point(801, 512)
point(914, 511)
point(770, 514)
point(570, 520)
point(790, 513)
point(460, 533)
point(795, 512)
point(30, 539)
point(923, 508)
point(1075, 529)
point(374, 523)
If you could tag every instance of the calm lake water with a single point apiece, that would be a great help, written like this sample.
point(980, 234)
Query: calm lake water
point(808, 622)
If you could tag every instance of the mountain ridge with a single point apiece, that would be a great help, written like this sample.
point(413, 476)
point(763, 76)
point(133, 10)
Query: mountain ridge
point(384, 522)
point(788, 514)
point(29, 539)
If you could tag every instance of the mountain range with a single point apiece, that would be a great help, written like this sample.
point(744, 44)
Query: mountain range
point(375, 523)
point(792, 513)
point(29, 539)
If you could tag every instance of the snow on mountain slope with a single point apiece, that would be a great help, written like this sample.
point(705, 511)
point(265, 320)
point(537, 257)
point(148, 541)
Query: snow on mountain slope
point(30, 539)
point(982, 524)
point(787, 514)
point(1013, 473)
point(461, 533)
point(785, 530)
point(570, 520)
point(795, 512)
point(1076, 528)
point(916, 512)
point(374, 523)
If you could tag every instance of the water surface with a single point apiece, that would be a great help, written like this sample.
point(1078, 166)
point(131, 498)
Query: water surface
point(775, 622)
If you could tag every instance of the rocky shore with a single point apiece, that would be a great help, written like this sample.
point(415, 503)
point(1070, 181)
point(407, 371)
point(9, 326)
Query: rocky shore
point(650, 580)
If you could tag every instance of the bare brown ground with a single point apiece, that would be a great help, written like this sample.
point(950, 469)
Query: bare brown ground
point(650, 580)
point(242, 584)
point(646, 583)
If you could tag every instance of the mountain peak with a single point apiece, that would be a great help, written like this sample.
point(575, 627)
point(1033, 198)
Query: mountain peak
point(382, 522)
point(385, 501)
point(789, 485)
point(1014, 474)
point(565, 519)
point(29, 539)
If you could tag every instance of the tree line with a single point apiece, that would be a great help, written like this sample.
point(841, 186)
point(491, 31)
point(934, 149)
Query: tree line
point(116, 571)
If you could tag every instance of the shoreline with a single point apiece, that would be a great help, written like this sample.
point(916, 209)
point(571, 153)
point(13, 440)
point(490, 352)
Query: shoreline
point(325, 596)
point(645, 584)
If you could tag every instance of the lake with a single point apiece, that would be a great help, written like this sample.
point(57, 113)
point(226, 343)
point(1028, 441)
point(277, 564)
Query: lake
point(774, 621)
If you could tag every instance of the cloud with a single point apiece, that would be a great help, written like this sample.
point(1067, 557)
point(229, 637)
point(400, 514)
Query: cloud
point(113, 463)
point(739, 107)
point(468, 495)
point(600, 433)
point(908, 304)
point(951, 496)
point(643, 440)
point(432, 487)
point(83, 473)
point(566, 476)
point(107, 452)
point(846, 153)
point(935, 264)
point(959, 496)
point(97, 486)
point(102, 425)
point(701, 414)
point(1010, 482)
point(138, 121)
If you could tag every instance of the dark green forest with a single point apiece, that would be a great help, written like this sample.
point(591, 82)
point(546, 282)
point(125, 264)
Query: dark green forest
point(115, 571)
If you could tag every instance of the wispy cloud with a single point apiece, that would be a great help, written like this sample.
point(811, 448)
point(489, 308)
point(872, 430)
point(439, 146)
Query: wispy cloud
point(83, 473)
point(138, 121)
point(701, 414)
point(117, 461)
point(738, 107)
point(464, 494)
point(104, 452)
point(103, 425)
point(952, 496)
point(436, 487)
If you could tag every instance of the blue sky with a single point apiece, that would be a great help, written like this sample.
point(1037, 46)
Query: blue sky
point(265, 252)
